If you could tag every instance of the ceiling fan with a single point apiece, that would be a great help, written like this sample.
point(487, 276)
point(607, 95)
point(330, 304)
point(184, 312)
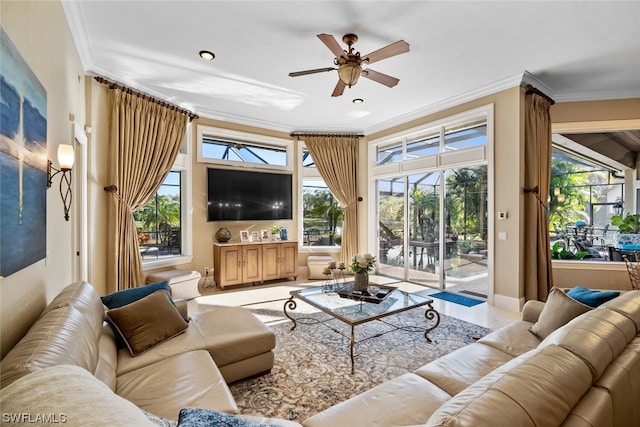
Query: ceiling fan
point(350, 62)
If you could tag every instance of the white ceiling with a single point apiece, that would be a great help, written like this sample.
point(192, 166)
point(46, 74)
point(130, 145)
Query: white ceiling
point(575, 50)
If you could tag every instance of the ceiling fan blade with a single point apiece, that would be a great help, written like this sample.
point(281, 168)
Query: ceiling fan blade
point(339, 89)
point(393, 49)
point(333, 45)
point(379, 77)
point(317, 70)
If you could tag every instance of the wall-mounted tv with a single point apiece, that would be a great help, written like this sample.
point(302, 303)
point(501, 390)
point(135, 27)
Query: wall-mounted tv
point(239, 195)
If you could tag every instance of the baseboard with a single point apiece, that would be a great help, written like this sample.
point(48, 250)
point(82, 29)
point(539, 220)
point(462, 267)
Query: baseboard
point(508, 303)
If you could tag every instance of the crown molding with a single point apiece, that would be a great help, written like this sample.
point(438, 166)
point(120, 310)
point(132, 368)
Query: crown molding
point(471, 95)
point(76, 23)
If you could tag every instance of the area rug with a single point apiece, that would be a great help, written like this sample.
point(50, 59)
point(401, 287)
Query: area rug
point(457, 299)
point(312, 368)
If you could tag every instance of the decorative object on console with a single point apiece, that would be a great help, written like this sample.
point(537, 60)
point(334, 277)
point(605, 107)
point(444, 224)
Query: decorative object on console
point(275, 232)
point(223, 235)
point(284, 234)
point(265, 235)
point(244, 235)
point(361, 265)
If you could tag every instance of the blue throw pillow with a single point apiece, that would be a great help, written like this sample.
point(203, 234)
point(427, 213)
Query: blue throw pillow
point(591, 298)
point(196, 417)
point(121, 298)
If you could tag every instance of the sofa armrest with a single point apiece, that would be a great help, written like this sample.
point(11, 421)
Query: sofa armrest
point(531, 310)
point(182, 307)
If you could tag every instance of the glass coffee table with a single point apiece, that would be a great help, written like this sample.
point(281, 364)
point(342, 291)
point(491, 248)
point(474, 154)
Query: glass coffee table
point(356, 309)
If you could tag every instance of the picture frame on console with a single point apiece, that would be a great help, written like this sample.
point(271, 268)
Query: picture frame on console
point(265, 235)
point(255, 237)
point(244, 235)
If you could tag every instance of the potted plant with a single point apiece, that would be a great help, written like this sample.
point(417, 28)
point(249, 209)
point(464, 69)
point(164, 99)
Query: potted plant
point(628, 236)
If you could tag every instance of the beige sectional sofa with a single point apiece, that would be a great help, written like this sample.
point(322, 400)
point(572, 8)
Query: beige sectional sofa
point(579, 372)
point(585, 373)
point(68, 364)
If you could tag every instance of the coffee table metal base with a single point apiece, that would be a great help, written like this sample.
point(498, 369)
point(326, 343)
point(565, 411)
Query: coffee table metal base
point(431, 314)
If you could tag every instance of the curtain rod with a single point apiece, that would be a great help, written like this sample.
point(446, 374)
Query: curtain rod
point(530, 89)
point(113, 85)
point(354, 135)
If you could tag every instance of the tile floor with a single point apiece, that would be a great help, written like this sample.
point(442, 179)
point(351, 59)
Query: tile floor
point(269, 298)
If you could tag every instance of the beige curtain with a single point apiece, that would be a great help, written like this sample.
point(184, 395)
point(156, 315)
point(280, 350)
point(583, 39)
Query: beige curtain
point(145, 140)
point(335, 158)
point(538, 278)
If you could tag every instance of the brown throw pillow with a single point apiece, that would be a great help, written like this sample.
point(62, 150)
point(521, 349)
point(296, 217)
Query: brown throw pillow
point(558, 310)
point(147, 322)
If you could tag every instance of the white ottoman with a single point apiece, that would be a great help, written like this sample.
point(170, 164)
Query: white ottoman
point(183, 284)
point(316, 264)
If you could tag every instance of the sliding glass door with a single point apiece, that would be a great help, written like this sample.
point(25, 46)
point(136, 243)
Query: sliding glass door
point(466, 231)
point(424, 228)
point(416, 245)
point(391, 219)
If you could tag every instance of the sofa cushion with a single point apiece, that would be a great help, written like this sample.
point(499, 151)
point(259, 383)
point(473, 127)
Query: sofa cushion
point(621, 379)
point(557, 311)
point(405, 400)
point(590, 297)
point(127, 296)
point(186, 380)
point(513, 339)
point(597, 337)
point(72, 395)
point(457, 370)
point(67, 333)
point(147, 322)
point(627, 304)
point(108, 357)
point(538, 388)
point(595, 409)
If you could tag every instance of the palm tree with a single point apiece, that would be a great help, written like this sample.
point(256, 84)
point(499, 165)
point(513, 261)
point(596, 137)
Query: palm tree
point(322, 204)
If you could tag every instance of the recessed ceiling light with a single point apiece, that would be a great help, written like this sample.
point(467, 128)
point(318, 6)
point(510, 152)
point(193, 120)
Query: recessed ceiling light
point(358, 101)
point(205, 54)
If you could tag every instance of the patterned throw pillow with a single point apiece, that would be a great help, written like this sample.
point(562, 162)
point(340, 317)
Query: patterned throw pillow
point(195, 417)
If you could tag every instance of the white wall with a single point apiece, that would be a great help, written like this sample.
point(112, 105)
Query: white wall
point(40, 33)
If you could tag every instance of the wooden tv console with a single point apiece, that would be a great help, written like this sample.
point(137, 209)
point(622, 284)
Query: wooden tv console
point(238, 263)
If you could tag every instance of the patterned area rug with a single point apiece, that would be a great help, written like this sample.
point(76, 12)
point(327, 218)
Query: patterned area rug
point(313, 368)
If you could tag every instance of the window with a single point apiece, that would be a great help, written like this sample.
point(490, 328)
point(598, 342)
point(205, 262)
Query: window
point(227, 147)
point(322, 215)
point(159, 222)
point(583, 196)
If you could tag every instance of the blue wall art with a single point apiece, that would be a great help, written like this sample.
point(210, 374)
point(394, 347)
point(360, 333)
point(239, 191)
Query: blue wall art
point(23, 162)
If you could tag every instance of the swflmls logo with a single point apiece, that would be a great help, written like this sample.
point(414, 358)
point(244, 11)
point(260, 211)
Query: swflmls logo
point(28, 418)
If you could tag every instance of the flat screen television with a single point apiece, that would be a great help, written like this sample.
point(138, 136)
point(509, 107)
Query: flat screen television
point(239, 195)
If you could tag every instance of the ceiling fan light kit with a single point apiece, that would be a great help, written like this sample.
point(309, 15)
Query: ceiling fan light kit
point(350, 62)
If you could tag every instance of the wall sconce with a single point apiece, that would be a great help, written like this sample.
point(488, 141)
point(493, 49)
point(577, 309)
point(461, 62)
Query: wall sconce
point(65, 160)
